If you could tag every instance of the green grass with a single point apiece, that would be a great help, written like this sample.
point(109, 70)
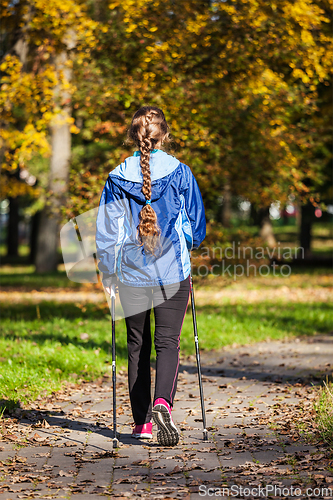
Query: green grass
point(42, 346)
point(322, 237)
point(319, 229)
point(247, 323)
point(23, 250)
point(24, 276)
point(324, 412)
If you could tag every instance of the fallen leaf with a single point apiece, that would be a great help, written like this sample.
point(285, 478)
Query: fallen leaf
point(64, 474)
point(11, 437)
point(143, 462)
point(176, 470)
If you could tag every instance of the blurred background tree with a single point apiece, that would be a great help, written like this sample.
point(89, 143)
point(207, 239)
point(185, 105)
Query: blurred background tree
point(40, 40)
point(245, 85)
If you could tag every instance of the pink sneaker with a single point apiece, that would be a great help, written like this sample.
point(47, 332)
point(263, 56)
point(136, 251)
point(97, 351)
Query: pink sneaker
point(161, 401)
point(167, 434)
point(143, 431)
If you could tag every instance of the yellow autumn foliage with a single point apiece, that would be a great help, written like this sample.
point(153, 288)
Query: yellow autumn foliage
point(28, 95)
point(234, 58)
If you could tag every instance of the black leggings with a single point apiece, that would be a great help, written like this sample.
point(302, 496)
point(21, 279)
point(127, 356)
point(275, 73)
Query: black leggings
point(170, 304)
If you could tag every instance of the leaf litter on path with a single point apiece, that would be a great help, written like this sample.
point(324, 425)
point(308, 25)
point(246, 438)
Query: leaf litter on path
point(272, 412)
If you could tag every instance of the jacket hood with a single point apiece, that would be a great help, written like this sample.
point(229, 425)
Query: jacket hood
point(128, 177)
point(161, 165)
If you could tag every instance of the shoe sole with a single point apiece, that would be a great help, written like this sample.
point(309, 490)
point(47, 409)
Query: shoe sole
point(167, 434)
point(142, 436)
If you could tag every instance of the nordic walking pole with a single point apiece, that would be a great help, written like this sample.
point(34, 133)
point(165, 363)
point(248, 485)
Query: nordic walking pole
point(115, 442)
point(196, 341)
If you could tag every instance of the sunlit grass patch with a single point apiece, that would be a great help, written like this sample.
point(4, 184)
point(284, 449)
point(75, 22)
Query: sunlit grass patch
point(39, 354)
point(255, 322)
point(41, 348)
point(25, 276)
point(324, 412)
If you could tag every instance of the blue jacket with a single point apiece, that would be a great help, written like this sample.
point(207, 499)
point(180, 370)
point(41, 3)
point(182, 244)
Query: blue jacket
point(178, 204)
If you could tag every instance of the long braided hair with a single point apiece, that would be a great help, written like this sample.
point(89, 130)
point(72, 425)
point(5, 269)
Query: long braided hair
point(148, 128)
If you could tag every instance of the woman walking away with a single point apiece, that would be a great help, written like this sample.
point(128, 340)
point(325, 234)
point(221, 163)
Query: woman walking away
point(151, 215)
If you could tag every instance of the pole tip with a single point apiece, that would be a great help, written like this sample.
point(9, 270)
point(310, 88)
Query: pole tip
point(115, 443)
point(205, 435)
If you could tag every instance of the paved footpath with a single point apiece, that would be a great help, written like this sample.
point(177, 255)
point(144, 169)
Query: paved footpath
point(257, 399)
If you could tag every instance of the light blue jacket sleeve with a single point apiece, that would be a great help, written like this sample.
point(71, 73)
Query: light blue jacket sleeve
point(108, 230)
point(194, 207)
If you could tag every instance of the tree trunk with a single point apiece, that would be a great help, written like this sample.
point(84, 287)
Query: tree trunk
point(33, 237)
point(298, 216)
point(305, 235)
point(254, 220)
point(13, 228)
point(226, 206)
point(48, 233)
point(266, 227)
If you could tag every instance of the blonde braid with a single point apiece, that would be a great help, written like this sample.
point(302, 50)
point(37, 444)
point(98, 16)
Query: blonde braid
point(148, 127)
point(145, 147)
